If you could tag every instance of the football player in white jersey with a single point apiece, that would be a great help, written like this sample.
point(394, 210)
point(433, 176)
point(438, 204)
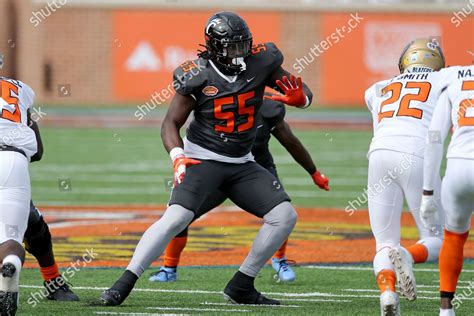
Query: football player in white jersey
point(401, 108)
point(455, 109)
point(18, 146)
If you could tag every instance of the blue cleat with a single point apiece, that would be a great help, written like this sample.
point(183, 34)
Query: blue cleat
point(283, 269)
point(164, 275)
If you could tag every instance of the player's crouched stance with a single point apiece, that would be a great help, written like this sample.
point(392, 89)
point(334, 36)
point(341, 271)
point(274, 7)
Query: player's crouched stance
point(401, 109)
point(225, 88)
point(454, 110)
point(18, 145)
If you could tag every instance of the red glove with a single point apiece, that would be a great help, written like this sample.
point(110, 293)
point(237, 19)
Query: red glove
point(293, 92)
point(320, 180)
point(180, 164)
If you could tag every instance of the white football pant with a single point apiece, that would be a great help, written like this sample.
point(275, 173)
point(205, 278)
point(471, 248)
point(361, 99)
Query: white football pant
point(393, 178)
point(15, 196)
point(457, 194)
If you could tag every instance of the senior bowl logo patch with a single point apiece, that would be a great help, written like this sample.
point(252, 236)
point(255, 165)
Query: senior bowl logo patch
point(210, 91)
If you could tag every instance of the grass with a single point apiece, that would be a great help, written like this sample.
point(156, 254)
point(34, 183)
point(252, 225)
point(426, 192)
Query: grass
point(126, 166)
point(316, 292)
point(129, 166)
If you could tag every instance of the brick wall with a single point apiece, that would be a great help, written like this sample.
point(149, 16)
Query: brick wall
point(71, 48)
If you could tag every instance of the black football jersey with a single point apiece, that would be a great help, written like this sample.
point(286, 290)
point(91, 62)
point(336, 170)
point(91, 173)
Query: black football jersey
point(271, 113)
point(225, 112)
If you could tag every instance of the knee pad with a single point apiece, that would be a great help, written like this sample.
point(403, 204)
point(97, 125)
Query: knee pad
point(38, 238)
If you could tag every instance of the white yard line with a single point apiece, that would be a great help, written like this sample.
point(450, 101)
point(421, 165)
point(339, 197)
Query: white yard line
point(348, 268)
point(316, 300)
point(199, 309)
point(234, 305)
point(378, 291)
point(288, 296)
point(136, 314)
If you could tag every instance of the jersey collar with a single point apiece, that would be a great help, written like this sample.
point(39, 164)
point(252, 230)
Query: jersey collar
point(230, 79)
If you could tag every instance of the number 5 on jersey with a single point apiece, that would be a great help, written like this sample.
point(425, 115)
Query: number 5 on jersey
point(8, 103)
point(229, 116)
point(404, 109)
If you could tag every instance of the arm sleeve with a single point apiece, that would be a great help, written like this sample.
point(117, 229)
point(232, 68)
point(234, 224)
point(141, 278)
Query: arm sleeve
point(439, 129)
point(27, 94)
point(368, 102)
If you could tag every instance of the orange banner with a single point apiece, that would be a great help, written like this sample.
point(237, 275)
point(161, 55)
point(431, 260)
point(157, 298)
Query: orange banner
point(149, 45)
point(358, 56)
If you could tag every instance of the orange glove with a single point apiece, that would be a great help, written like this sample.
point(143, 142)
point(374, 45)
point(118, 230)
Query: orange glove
point(320, 180)
point(293, 92)
point(180, 164)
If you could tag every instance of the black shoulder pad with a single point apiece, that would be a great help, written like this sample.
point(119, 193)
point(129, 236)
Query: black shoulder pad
point(189, 76)
point(269, 55)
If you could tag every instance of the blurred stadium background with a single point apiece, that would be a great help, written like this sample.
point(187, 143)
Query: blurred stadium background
point(102, 72)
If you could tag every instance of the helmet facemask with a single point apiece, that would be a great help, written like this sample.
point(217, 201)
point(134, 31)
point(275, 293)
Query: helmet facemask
point(1, 61)
point(231, 55)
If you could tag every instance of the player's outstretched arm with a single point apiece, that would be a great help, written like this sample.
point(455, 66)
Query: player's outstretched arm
point(293, 90)
point(177, 114)
point(293, 145)
point(34, 126)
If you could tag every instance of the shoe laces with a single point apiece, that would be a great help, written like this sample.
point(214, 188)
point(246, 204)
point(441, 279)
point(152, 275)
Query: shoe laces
point(64, 286)
point(162, 271)
point(285, 264)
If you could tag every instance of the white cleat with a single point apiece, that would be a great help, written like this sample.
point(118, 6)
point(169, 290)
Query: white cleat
point(389, 304)
point(403, 263)
point(447, 312)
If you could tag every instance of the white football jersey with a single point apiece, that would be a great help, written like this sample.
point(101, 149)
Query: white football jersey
point(459, 103)
point(402, 108)
point(16, 98)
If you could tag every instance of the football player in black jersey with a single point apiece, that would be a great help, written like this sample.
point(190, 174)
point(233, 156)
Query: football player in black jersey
point(271, 122)
point(225, 89)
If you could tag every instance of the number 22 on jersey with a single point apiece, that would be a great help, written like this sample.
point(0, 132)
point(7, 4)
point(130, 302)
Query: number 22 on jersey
point(9, 103)
point(421, 94)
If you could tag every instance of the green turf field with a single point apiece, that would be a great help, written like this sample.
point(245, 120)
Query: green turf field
point(334, 291)
point(130, 166)
point(124, 166)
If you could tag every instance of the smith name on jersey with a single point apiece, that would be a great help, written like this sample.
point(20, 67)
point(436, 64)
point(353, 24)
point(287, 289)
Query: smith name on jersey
point(226, 106)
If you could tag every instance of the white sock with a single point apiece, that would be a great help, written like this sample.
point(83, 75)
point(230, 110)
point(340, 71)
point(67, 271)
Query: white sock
point(446, 312)
point(11, 284)
point(382, 261)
